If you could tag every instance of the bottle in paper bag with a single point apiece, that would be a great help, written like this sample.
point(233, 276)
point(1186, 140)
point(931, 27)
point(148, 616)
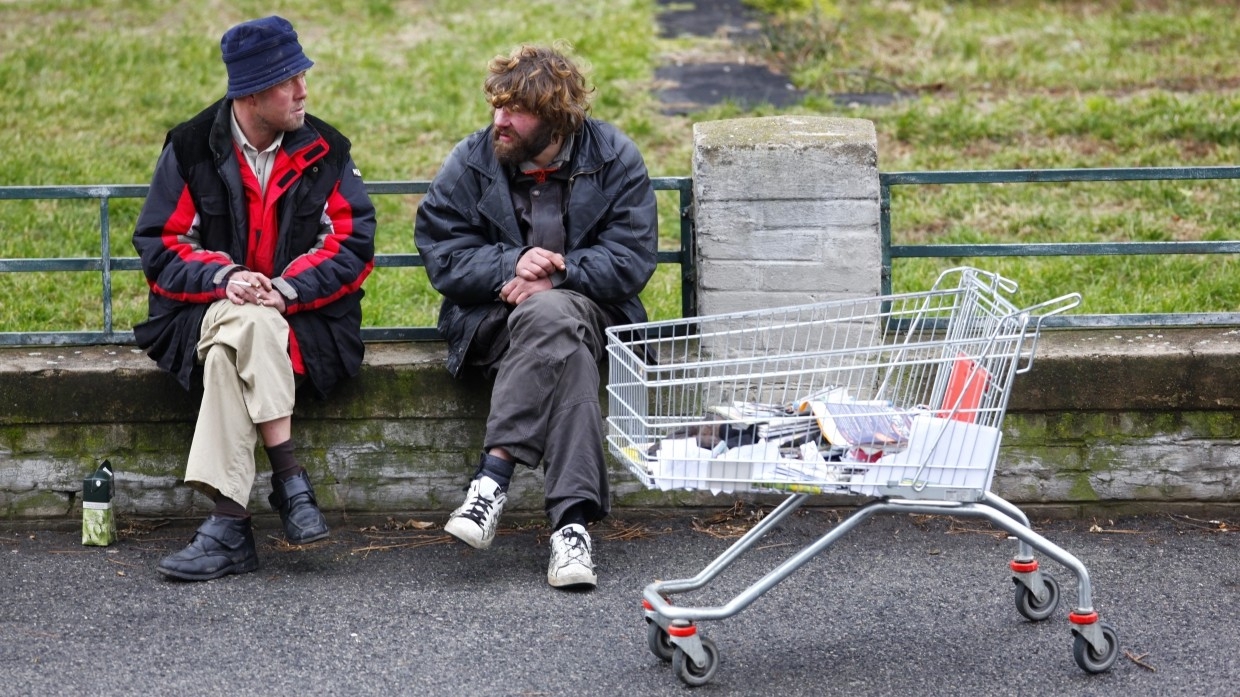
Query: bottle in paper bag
point(98, 523)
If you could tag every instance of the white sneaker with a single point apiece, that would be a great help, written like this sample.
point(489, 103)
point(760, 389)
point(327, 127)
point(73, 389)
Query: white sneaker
point(570, 558)
point(475, 521)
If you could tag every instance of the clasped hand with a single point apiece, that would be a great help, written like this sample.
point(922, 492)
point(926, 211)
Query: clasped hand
point(533, 275)
point(253, 287)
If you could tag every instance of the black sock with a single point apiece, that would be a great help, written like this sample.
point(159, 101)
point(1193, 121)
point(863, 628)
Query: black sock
point(496, 468)
point(576, 514)
point(227, 508)
point(284, 464)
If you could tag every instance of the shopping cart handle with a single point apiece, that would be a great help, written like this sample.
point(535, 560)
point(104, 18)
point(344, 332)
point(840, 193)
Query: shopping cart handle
point(1054, 306)
point(980, 277)
point(1049, 308)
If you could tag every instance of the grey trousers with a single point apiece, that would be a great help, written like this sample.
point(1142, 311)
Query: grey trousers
point(544, 402)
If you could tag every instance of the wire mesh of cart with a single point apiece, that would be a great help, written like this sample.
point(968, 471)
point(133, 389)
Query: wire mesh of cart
point(899, 398)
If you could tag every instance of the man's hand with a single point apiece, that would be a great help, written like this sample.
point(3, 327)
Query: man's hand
point(518, 290)
point(252, 287)
point(539, 263)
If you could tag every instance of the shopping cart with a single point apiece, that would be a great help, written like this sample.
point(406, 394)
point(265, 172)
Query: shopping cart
point(898, 397)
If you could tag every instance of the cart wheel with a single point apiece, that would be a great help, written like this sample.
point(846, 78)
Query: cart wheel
point(660, 642)
point(1027, 603)
point(694, 675)
point(1090, 660)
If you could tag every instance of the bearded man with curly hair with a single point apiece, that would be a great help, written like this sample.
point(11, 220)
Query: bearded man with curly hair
point(539, 231)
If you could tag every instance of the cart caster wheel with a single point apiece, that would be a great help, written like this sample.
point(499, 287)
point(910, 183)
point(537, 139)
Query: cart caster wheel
point(692, 674)
point(660, 642)
point(1089, 659)
point(1027, 604)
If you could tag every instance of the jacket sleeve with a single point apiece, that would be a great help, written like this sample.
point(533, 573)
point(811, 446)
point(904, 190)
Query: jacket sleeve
point(466, 258)
point(344, 254)
point(167, 240)
point(623, 254)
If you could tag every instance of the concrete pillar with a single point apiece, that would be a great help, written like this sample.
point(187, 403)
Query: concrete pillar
point(786, 211)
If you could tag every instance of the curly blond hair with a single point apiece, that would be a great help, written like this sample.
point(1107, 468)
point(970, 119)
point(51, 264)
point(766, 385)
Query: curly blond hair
point(542, 81)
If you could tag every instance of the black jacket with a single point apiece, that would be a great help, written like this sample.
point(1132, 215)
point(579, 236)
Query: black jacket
point(195, 229)
point(467, 233)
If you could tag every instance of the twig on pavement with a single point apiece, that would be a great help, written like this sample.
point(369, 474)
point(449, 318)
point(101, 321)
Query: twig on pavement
point(424, 541)
point(1211, 525)
point(1138, 660)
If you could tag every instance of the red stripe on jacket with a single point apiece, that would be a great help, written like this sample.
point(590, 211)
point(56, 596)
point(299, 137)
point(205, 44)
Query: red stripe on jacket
point(178, 225)
point(340, 213)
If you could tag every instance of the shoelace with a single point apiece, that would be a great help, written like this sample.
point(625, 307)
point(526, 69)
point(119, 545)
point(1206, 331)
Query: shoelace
point(576, 547)
point(478, 509)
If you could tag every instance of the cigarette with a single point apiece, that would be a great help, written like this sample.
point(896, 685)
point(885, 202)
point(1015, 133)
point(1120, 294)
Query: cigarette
point(235, 282)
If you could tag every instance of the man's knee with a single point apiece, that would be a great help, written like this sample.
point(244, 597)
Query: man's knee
point(552, 310)
point(558, 325)
point(263, 318)
point(246, 320)
point(547, 303)
point(549, 312)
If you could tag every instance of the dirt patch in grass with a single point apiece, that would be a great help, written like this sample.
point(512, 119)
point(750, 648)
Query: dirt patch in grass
point(713, 65)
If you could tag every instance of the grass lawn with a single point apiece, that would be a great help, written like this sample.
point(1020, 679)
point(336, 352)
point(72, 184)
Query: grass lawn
point(91, 86)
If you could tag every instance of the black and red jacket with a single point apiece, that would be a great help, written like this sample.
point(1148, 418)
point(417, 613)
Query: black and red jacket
point(313, 235)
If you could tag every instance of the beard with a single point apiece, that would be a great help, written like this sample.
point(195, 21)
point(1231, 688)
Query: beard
point(521, 148)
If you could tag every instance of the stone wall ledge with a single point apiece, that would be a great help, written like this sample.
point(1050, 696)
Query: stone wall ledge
point(1107, 421)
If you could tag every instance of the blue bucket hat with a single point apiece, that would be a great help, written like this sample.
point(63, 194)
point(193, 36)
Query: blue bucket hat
point(261, 53)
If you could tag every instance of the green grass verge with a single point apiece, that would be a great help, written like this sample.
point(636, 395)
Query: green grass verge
point(92, 85)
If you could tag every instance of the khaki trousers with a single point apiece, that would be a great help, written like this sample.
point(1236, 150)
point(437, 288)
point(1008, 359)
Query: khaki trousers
point(247, 380)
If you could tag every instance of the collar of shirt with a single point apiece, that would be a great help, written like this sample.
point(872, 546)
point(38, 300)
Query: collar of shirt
point(260, 161)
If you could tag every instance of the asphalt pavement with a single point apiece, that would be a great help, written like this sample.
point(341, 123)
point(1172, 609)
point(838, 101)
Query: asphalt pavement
point(902, 605)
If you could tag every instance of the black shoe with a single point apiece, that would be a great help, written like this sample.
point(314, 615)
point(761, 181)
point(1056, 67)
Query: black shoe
point(299, 510)
point(221, 546)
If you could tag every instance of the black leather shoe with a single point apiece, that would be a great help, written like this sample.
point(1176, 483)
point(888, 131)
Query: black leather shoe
point(221, 546)
point(299, 510)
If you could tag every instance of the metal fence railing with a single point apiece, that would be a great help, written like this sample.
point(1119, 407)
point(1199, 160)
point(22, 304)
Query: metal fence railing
point(887, 180)
point(106, 264)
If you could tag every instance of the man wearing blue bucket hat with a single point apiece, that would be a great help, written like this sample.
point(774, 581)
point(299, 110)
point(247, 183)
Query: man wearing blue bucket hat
point(255, 238)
